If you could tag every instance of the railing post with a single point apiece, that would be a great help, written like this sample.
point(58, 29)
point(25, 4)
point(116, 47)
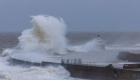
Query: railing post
point(67, 61)
point(62, 61)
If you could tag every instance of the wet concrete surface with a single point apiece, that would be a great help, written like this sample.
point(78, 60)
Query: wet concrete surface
point(102, 73)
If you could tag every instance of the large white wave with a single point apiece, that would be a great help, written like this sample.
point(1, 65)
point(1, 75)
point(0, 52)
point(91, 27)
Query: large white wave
point(47, 33)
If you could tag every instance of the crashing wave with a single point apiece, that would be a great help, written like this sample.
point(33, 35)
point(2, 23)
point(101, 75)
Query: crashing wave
point(93, 45)
point(47, 34)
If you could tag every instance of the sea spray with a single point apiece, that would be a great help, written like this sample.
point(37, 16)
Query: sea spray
point(47, 33)
point(96, 44)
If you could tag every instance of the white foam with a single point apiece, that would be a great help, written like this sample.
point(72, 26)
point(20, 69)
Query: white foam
point(47, 33)
point(9, 72)
point(6, 52)
point(93, 45)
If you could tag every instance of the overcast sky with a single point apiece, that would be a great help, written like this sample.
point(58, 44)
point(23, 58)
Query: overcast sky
point(80, 15)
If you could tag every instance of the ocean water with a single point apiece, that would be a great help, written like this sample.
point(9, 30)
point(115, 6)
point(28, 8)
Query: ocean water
point(8, 40)
point(111, 38)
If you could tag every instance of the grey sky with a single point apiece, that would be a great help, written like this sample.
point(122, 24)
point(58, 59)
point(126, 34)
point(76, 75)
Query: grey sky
point(84, 15)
